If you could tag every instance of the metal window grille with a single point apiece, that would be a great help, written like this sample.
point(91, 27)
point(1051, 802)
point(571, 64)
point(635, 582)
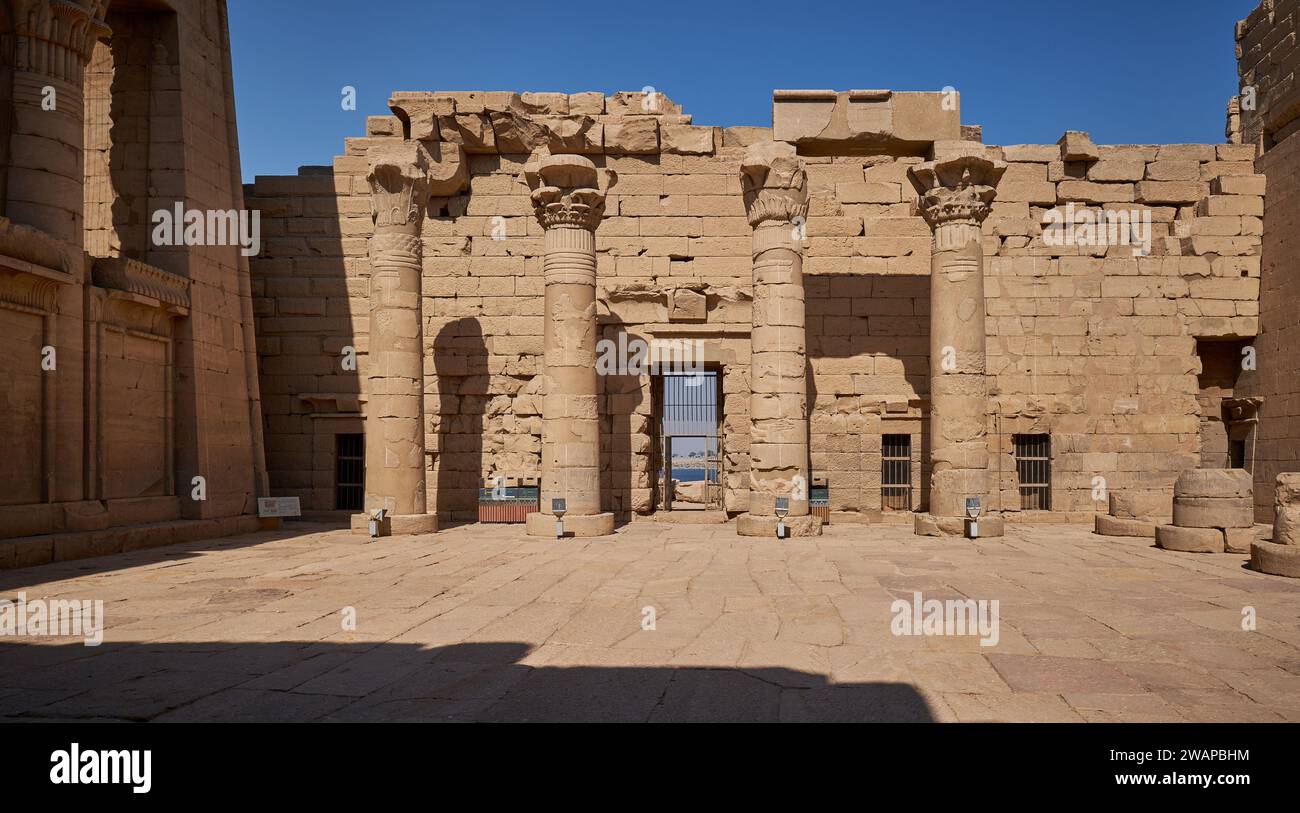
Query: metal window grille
point(350, 472)
point(1034, 467)
point(896, 472)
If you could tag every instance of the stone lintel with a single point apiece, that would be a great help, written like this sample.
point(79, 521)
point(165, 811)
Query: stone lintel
point(824, 122)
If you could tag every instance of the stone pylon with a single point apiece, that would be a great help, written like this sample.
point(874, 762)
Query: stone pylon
point(44, 179)
point(394, 411)
point(569, 201)
point(775, 188)
point(956, 192)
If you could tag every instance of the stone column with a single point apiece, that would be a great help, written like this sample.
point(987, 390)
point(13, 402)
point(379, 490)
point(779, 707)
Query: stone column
point(394, 410)
point(775, 188)
point(956, 193)
point(569, 200)
point(45, 174)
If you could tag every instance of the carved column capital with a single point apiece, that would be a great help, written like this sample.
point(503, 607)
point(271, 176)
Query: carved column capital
point(568, 191)
point(399, 187)
point(52, 32)
point(958, 190)
point(774, 184)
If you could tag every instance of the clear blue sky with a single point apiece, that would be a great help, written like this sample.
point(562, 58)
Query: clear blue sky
point(1128, 71)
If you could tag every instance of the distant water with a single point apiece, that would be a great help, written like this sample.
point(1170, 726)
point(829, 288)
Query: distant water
point(693, 475)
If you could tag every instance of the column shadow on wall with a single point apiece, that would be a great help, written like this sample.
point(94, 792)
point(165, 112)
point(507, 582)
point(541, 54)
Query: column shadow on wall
point(460, 366)
point(623, 398)
point(306, 306)
point(300, 681)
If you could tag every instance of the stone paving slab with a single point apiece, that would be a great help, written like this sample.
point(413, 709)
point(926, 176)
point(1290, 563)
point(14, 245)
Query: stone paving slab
point(658, 622)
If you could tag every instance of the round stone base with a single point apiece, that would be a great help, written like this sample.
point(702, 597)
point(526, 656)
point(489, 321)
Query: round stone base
point(1278, 560)
point(1123, 526)
point(1239, 540)
point(398, 524)
point(539, 524)
point(751, 525)
point(1189, 540)
point(930, 525)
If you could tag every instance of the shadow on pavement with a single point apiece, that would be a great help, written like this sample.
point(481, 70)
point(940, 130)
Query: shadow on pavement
point(312, 681)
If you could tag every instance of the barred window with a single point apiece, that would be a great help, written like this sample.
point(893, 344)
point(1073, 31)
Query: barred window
point(350, 472)
point(896, 472)
point(1034, 468)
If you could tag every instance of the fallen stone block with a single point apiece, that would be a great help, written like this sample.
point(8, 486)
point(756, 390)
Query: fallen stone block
point(931, 525)
point(1123, 526)
point(1138, 504)
point(1189, 540)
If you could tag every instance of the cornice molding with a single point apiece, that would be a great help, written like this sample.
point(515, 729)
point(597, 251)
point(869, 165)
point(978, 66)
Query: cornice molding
point(133, 276)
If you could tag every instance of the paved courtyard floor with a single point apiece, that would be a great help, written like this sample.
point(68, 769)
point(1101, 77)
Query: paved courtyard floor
point(660, 622)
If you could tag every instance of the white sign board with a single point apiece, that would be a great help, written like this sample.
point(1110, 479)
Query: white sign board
point(278, 507)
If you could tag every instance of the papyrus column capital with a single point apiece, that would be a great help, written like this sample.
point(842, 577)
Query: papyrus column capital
point(56, 37)
point(774, 184)
point(568, 191)
point(399, 187)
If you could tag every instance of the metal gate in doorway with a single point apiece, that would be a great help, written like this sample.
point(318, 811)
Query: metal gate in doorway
point(689, 447)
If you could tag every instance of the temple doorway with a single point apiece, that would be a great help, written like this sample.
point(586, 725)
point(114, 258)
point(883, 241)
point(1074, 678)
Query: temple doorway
point(688, 448)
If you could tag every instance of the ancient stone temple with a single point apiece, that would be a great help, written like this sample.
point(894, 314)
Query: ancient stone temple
point(884, 318)
point(128, 389)
point(592, 308)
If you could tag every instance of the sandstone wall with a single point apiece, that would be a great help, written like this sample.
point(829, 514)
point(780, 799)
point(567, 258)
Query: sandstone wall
point(1093, 346)
point(1268, 60)
point(152, 386)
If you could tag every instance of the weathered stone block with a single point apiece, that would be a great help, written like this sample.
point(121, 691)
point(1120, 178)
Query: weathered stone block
point(687, 306)
point(1239, 185)
point(1077, 145)
point(1170, 191)
point(1214, 512)
point(1190, 540)
point(1275, 559)
point(1122, 526)
point(1121, 169)
point(1138, 505)
point(686, 139)
point(1214, 483)
point(635, 135)
point(1239, 540)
